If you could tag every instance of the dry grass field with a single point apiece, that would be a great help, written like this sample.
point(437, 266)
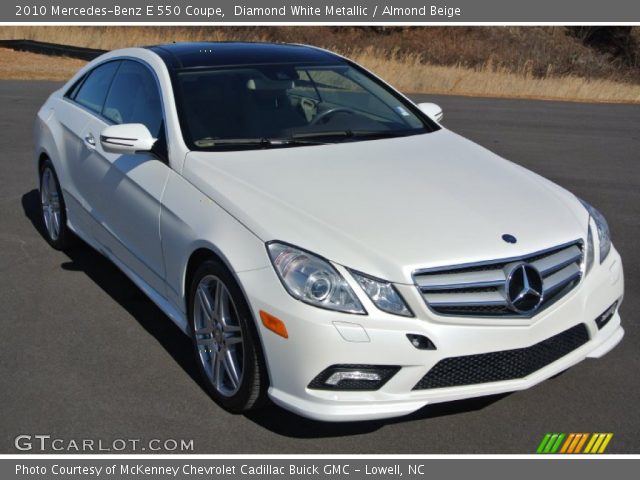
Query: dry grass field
point(408, 74)
point(30, 66)
point(528, 62)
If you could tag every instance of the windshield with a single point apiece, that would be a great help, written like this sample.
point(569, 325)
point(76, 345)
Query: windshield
point(281, 105)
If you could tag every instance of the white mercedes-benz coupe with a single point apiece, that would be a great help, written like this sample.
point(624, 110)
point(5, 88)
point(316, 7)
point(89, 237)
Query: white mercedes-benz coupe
point(324, 241)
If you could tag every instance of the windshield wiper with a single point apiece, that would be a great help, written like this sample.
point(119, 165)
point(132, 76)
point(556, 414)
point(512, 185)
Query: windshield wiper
point(214, 142)
point(301, 138)
point(321, 134)
point(370, 134)
point(263, 142)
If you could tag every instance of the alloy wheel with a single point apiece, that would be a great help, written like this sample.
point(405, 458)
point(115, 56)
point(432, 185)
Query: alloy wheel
point(218, 335)
point(50, 204)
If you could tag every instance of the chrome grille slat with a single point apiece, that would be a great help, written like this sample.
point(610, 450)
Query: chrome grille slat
point(560, 278)
point(466, 299)
point(479, 289)
point(451, 281)
point(558, 260)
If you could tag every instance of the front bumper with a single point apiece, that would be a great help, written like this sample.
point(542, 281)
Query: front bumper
point(321, 338)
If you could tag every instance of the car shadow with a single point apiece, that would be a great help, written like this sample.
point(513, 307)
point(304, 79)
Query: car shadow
point(117, 285)
point(106, 275)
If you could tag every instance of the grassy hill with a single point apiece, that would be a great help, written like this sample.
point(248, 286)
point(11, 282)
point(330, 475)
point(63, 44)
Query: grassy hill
point(540, 62)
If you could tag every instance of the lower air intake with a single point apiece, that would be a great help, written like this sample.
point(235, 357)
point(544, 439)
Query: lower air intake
point(504, 365)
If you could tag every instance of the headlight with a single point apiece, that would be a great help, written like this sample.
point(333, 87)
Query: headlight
point(312, 279)
point(604, 237)
point(589, 252)
point(383, 294)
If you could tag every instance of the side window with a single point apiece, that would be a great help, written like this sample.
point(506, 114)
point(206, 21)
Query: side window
point(73, 91)
point(134, 98)
point(94, 89)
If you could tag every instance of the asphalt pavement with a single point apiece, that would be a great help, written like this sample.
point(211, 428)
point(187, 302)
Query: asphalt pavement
point(85, 355)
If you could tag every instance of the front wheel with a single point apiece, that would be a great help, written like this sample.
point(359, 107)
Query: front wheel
point(225, 340)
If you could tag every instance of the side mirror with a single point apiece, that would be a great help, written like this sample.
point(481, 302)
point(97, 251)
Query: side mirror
point(127, 138)
point(432, 110)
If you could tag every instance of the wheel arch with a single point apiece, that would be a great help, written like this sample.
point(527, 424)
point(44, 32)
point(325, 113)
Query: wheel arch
point(197, 258)
point(48, 142)
point(200, 254)
point(206, 252)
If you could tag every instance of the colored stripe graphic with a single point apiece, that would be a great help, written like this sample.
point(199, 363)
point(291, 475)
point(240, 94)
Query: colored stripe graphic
point(593, 439)
point(550, 443)
point(598, 442)
point(543, 443)
point(603, 447)
point(568, 442)
point(573, 443)
point(581, 443)
point(556, 446)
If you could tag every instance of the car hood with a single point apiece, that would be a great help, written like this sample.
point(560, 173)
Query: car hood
point(389, 207)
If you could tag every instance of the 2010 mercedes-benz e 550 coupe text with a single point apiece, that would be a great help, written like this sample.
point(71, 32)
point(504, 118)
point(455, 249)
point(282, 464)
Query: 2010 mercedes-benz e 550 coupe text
point(324, 241)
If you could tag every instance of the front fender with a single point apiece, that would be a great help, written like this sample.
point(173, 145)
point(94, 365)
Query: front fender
point(190, 221)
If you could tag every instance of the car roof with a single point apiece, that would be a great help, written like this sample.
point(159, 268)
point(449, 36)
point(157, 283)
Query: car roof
point(178, 56)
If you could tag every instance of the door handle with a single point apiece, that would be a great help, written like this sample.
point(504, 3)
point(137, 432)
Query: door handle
point(90, 140)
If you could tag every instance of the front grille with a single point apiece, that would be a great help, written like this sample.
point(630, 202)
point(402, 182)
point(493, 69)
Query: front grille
point(479, 289)
point(504, 365)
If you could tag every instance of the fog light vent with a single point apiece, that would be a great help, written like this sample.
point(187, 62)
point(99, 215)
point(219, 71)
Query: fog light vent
point(337, 377)
point(603, 319)
point(353, 377)
point(420, 342)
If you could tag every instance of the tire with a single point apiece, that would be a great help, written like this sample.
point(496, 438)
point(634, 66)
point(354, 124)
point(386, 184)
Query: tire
point(53, 209)
point(225, 340)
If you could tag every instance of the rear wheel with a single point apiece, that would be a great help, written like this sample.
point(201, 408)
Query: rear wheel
point(225, 340)
point(54, 215)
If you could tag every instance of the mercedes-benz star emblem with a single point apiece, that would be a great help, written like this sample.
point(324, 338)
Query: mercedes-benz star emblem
point(523, 288)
